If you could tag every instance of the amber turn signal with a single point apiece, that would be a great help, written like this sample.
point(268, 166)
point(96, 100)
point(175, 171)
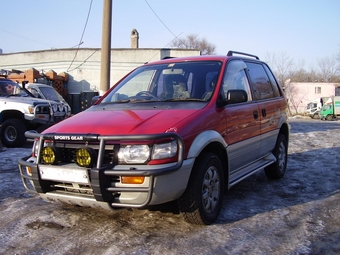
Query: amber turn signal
point(132, 179)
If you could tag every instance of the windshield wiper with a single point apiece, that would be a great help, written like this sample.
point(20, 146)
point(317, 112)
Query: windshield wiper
point(122, 101)
point(182, 99)
point(12, 95)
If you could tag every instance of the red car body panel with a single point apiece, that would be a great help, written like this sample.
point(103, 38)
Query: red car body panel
point(183, 128)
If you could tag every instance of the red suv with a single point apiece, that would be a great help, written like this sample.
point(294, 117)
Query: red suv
point(179, 129)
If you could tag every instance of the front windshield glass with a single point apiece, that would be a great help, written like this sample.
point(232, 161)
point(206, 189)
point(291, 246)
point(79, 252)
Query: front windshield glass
point(10, 88)
point(326, 107)
point(50, 94)
point(185, 81)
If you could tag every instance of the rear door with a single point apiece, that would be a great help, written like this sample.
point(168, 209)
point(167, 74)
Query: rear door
point(270, 101)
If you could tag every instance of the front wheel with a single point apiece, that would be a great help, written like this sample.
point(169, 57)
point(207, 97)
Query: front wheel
point(13, 133)
point(329, 117)
point(278, 169)
point(202, 201)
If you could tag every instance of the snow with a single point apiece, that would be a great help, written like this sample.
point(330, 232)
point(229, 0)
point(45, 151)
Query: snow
point(298, 214)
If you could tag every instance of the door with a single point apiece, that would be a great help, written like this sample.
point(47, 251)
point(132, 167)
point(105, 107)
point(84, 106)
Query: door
point(270, 101)
point(243, 128)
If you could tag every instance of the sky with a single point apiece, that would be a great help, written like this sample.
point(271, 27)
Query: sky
point(304, 30)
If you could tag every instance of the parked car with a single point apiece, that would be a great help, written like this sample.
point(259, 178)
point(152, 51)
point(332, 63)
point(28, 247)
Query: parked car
point(20, 111)
point(49, 93)
point(181, 129)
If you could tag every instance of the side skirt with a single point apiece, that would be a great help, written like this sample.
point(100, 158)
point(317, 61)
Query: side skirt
point(244, 172)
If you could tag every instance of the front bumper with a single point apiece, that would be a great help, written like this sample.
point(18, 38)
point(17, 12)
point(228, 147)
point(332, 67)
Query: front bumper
point(103, 188)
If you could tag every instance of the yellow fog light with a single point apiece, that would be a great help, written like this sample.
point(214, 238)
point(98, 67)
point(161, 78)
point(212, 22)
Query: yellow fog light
point(85, 157)
point(133, 179)
point(49, 155)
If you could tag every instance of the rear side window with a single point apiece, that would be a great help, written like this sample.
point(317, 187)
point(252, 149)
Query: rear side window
point(261, 84)
point(273, 82)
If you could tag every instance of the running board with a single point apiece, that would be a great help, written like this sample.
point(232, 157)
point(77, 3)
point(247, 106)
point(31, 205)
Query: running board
point(242, 173)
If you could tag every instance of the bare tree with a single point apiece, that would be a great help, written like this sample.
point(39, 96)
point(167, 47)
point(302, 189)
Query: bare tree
point(282, 66)
point(299, 74)
point(338, 59)
point(328, 68)
point(294, 97)
point(193, 42)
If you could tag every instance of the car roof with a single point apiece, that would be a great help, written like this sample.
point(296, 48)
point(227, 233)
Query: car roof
point(6, 80)
point(223, 58)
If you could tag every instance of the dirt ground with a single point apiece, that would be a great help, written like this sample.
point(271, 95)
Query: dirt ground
point(299, 214)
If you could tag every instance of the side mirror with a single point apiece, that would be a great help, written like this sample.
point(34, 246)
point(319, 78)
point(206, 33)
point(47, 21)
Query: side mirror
point(237, 96)
point(95, 99)
point(234, 96)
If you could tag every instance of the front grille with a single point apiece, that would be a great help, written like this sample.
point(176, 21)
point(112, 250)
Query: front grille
point(81, 189)
point(74, 188)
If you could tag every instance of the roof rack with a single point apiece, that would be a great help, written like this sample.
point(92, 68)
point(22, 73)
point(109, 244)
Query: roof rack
point(232, 52)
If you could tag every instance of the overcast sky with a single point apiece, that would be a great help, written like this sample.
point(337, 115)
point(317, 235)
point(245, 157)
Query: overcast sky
point(305, 30)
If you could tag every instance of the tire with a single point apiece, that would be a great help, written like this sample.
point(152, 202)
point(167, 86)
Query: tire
point(278, 169)
point(13, 133)
point(329, 117)
point(202, 200)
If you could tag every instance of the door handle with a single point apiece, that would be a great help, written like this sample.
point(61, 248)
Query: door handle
point(256, 114)
point(264, 113)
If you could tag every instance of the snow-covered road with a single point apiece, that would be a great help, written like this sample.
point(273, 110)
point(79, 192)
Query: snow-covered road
point(299, 214)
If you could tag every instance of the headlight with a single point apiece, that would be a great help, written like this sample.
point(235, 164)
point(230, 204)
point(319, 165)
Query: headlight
point(136, 154)
point(164, 150)
point(35, 148)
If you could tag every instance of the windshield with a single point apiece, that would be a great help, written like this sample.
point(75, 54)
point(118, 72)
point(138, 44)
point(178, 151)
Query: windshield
point(185, 81)
point(10, 88)
point(50, 94)
point(326, 107)
point(311, 105)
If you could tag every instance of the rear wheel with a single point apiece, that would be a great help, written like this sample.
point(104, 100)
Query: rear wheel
point(278, 169)
point(202, 201)
point(13, 133)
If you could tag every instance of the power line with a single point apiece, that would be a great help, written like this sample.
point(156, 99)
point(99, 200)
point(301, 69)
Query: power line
point(165, 46)
point(84, 61)
point(26, 38)
point(82, 35)
point(162, 21)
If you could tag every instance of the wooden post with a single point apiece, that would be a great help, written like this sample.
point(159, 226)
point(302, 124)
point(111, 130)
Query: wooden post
point(106, 48)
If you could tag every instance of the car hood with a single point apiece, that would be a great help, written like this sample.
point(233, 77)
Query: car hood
point(27, 100)
point(122, 122)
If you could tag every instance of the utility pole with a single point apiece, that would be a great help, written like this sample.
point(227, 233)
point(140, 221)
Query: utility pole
point(105, 66)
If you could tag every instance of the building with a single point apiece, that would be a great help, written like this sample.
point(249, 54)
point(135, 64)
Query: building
point(82, 65)
point(299, 94)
